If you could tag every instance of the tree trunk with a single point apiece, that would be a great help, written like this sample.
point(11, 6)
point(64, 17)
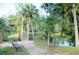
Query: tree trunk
point(30, 21)
point(22, 29)
point(1, 37)
point(38, 35)
point(19, 36)
point(37, 30)
point(28, 29)
point(32, 32)
point(48, 41)
point(75, 25)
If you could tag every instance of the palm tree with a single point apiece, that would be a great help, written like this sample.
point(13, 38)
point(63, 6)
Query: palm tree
point(64, 11)
point(75, 25)
point(27, 12)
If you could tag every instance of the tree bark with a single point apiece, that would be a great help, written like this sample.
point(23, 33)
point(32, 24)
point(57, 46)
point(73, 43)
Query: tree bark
point(28, 29)
point(22, 28)
point(32, 32)
point(1, 37)
point(48, 41)
point(38, 35)
point(75, 26)
point(19, 36)
point(30, 21)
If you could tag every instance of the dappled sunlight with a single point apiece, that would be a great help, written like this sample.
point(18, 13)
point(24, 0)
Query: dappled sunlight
point(15, 35)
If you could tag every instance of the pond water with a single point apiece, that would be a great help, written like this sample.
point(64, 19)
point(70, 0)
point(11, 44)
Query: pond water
point(63, 43)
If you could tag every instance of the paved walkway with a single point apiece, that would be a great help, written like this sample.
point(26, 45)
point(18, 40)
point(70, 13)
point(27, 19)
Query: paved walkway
point(32, 49)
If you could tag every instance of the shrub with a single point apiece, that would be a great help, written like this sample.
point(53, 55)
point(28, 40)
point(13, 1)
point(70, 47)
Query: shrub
point(7, 51)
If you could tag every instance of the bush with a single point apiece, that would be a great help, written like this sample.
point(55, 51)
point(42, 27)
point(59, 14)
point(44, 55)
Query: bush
point(7, 51)
point(12, 51)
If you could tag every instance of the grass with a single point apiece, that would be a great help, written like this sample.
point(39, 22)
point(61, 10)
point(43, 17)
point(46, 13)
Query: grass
point(11, 51)
point(11, 36)
point(7, 51)
point(64, 50)
point(39, 43)
point(60, 50)
point(15, 35)
point(22, 51)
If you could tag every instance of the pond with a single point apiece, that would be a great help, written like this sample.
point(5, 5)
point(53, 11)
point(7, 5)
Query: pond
point(58, 42)
point(65, 43)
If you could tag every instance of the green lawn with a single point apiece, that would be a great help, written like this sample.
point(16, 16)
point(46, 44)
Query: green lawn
point(10, 36)
point(13, 36)
point(11, 51)
point(58, 50)
point(39, 43)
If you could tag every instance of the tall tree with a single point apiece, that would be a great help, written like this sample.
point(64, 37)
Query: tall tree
point(2, 29)
point(28, 12)
point(75, 25)
point(63, 11)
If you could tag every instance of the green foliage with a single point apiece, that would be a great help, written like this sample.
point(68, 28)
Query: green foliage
point(12, 51)
point(60, 19)
point(13, 36)
point(7, 51)
point(6, 34)
point(39, 42)
point(2, 23)
point(27, 10)
point(22, 51)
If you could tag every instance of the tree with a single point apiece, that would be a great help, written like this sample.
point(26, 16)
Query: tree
point(2, 29)
point(28, 12)
point(75, 25)
point(64, 12)
point(15, 25)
